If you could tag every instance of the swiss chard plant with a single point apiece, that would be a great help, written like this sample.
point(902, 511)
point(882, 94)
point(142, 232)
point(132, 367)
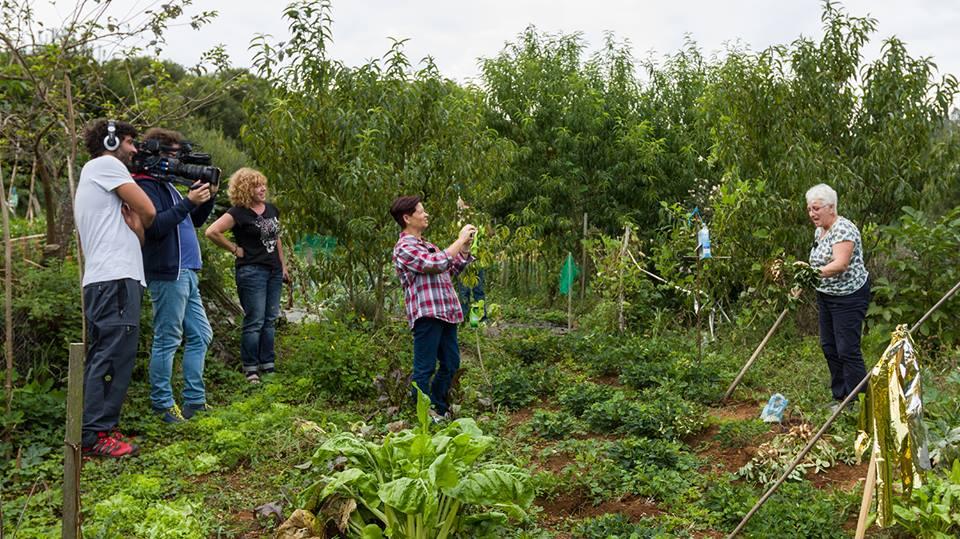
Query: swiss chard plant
point(415, 484)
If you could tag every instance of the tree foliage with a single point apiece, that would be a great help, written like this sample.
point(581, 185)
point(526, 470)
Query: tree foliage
point(339, 143)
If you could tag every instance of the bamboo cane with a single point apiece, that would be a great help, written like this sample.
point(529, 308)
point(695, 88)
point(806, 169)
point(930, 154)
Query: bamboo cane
point(755, 355)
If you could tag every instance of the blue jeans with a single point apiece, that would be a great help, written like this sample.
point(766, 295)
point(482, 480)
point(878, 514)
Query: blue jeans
point(435, 341)
point(177, 314)
point(259, 290)
point(841, 326)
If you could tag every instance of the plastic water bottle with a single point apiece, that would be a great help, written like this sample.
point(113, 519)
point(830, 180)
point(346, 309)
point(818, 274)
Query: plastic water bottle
point(773, 411)
point(703, 241)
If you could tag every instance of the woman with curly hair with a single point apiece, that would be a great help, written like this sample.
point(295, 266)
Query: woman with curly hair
point(260, 267)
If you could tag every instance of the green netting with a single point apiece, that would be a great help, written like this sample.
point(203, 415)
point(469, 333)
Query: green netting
point(313, 244)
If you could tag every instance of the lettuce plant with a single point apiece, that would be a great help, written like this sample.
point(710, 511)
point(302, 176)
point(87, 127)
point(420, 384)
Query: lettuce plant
point(415, 484)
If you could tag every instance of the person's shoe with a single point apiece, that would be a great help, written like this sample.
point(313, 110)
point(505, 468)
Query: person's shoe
point(115, 433)
point(438, 418)
point(171, 415)
point(190, 410)
point(108, 446)
point(836, 406)
point(253, 378)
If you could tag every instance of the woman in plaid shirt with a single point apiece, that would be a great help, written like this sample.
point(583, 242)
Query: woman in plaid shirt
point(433, 308)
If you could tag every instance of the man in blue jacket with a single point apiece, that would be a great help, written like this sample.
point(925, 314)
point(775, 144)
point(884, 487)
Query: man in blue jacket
point(171, 261)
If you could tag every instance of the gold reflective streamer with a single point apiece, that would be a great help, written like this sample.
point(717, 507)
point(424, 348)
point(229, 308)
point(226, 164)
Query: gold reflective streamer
point(892, 419)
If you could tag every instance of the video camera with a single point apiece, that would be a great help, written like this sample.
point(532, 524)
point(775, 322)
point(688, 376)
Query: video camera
point(185, 168)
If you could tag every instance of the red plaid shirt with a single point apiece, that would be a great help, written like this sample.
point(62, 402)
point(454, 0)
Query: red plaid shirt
point(425, 271)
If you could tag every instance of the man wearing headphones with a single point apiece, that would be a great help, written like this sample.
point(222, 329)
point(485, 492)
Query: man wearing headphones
point(111, 213)
point(171, 258)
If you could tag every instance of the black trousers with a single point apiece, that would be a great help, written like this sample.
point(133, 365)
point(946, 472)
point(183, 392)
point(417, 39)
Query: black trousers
point(841, 326)
point(112, 310)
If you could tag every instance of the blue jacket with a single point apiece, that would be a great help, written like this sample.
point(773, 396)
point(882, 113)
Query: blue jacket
point(161, 248)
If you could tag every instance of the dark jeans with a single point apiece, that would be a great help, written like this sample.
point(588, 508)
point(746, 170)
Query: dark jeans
point(841, 326)
point(259, 290)
point(112, 310)
point(435, 340)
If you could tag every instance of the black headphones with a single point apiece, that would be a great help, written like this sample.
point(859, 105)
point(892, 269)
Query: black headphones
point(111, 142)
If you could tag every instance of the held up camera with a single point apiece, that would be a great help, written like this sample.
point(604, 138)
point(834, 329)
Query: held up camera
point(185, 168)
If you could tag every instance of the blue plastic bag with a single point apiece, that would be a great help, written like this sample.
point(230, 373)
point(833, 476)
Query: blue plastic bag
point(773, 411)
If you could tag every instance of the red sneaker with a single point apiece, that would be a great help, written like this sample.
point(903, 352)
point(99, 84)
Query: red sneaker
point(121, 437)
point(109, 446)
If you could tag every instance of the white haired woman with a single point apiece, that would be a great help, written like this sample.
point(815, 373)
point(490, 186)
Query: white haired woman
point(844, 291)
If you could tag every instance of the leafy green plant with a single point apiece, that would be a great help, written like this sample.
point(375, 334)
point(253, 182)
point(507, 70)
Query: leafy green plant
point(534, 346)
point(513, 386)
point(577, 398)
point(933, 510)
point(553, 425)
point(740, 433)
point(414, 484)
point(612, 526)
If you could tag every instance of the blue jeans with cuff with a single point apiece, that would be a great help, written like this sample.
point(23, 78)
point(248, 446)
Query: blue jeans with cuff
point(259, 289)
point(178, 313)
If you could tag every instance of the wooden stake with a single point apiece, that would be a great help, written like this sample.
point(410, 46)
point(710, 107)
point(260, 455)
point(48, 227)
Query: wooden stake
point(569, 278)
point(621, 322)
point(756, 353)
point(71, 450)
point(583, 261)
point(868, 487)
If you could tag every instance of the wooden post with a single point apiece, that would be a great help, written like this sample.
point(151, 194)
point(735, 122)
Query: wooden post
point(699, 306)
point(71, 449)
point(569, 278)
point(621, 322)
point(583, 261)
point(755, 354)
point(868, 487)
point(8, 291)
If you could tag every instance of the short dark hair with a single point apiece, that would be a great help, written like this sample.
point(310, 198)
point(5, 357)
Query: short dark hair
point(96, 131)
point(401, 206)
point(167, 137)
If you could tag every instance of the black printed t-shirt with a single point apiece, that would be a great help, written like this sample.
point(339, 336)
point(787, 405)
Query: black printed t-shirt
point(257, 235)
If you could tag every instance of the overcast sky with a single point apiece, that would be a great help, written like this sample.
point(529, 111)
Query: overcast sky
point(456, 33)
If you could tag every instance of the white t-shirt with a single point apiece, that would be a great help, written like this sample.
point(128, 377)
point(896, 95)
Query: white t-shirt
point(111, 250)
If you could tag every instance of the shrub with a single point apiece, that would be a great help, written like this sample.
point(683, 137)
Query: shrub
point(342, 363)
point(534, 346)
